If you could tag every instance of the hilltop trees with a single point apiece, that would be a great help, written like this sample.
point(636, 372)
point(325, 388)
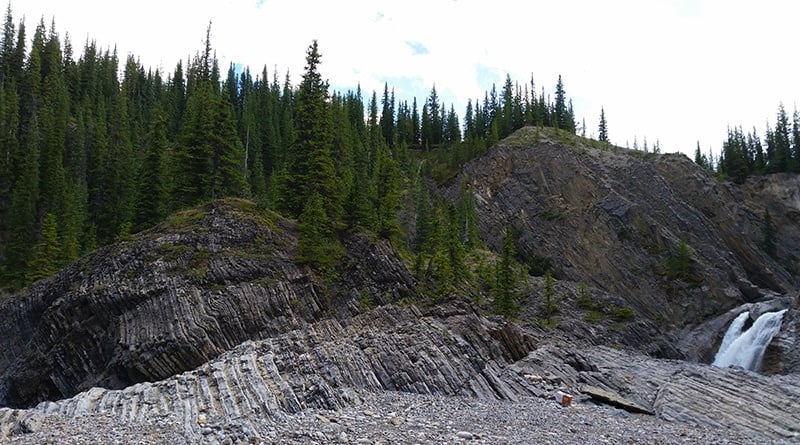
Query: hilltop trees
point(744, 154)
point(93, 149)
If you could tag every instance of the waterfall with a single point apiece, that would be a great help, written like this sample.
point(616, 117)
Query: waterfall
point(746, 349)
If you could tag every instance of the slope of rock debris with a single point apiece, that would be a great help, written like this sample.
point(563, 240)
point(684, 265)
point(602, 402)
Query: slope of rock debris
point(396, 418)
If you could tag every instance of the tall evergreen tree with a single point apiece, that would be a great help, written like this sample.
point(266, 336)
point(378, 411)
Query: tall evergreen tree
point(46, 253)
point(505, 294)
point(310, 166)
point(317, 245)
point(387, 187)
point(561, 115)
point(154, 186)
point(603, 127)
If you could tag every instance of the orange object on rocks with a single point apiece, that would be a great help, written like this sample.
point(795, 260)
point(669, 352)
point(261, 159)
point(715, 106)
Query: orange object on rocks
point(563, 398)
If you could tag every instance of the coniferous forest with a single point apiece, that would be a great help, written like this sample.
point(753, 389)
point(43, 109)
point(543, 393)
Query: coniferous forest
point(95, 148)
point(744, 154)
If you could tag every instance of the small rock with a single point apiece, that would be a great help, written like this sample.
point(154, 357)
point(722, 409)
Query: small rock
point(465, 435)
point(396, 421)
point(322, 418)
point(368, 413)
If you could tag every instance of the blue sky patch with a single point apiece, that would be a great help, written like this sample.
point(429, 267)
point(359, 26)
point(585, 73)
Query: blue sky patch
point(417, 48)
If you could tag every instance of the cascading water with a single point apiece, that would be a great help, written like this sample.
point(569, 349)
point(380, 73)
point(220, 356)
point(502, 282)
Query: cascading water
point(746, 349)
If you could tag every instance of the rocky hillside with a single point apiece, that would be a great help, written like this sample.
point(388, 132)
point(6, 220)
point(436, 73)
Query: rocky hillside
point(614, 218)
point(177, 296)
point(204, 329)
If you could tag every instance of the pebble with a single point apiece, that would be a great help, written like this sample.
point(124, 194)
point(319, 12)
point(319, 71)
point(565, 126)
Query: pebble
point(465, 435)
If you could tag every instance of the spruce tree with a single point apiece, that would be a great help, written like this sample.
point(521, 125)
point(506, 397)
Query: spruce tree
point(505, 293)
point(387, 199)
point(310, 166)
point(467, 216)
point(603, 127)
point(46, 252)
point(549, 307)
point(317, 244)
point(153, 186)
point(561, 116)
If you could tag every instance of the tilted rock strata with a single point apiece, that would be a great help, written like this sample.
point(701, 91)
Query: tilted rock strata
point(765, 407)
point(612, 217)
point(172, 299)
point(257, 383)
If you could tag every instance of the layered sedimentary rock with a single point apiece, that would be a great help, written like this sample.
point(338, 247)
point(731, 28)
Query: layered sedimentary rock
point(175, 297)
point(612, 218)
point(766, 407)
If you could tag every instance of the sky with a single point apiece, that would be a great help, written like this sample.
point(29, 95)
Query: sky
point(676, 71)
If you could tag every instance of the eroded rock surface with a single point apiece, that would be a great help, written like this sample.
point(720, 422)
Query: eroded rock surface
point(612, 218)
point(176, 297)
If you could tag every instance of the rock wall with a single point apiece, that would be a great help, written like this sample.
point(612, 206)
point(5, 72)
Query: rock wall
point(612, 218)
point(318, 366)
point(175, 297)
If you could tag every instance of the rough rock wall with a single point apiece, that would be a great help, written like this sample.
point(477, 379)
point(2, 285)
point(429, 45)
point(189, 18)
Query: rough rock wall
point(768, 407)
point(318, 366)
point(174, 298)
point(612, 218)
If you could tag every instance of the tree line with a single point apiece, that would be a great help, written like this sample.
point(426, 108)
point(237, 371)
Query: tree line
point(94, 149)
point(746, 153)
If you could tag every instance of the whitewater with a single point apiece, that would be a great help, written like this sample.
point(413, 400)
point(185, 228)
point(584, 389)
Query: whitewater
point(746, 348)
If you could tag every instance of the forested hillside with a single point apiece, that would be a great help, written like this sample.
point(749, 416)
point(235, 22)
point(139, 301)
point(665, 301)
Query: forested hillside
point(95, 148)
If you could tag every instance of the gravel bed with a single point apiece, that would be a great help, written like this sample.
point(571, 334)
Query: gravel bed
point(401, 418)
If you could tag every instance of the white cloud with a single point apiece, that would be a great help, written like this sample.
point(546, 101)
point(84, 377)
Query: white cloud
point(677, 71)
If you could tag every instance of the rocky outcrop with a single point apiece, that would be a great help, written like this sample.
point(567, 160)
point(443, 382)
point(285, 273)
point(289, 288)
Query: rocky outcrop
point(248, 393)
point(318, 366)
point(612, 218)
point(177, 296)
point(208, 320)
point(765, 407)
point(615, 218)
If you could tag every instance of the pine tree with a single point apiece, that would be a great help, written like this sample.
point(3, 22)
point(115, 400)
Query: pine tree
point(505, 295)
point(561, 117)
point(22, 217)
point(467, 216)
point(387, 116)
point(700, 159)
point(549, 293)
point(153, 186)
point(210, 158)
point(603, 128)
point(310, 166)
point(317, 245)
point(387, 188)
point(46, 252)
point(436, 121)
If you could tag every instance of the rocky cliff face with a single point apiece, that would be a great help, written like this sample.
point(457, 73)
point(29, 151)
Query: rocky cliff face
point(614, 218)
point(176, 297)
